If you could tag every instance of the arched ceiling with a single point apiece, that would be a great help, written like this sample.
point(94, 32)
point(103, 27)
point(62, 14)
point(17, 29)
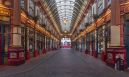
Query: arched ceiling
point(65, 12)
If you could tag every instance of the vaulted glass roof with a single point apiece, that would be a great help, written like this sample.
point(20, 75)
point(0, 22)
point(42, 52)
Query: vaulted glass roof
point(65, 12)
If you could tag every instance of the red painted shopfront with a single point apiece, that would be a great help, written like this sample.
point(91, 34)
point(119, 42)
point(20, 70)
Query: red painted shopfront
point(5, 17)
point(114, 53)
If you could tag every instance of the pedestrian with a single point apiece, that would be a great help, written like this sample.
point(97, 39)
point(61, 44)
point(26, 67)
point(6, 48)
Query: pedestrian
point(119, 65)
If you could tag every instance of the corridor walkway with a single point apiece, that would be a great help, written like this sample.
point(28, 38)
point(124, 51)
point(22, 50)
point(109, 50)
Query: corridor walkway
point(63, 63)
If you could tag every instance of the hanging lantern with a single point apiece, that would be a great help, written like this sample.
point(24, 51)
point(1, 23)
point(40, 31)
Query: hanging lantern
point(65, 21)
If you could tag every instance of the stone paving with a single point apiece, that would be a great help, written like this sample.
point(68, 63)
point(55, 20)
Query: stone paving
point(63, 63)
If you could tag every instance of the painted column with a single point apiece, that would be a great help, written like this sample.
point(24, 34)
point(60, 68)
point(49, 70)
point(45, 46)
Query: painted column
point(115, 21)
point(116, 49)
point(36, 50)
point(28, 47)
point(44, 50)
point(16, 52)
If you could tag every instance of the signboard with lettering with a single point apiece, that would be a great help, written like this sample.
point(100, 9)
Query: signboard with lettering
point(13, 55)
point(4, 14)
point(21, 54)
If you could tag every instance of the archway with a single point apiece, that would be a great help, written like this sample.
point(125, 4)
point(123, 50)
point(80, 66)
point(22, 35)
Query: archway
point(66, 43)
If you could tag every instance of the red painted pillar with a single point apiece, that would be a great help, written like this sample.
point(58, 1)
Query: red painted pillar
point(28, 55)
point(16, 53)
point(36, 53)
point(44, 51)
point(104, 56)
point(86, 51)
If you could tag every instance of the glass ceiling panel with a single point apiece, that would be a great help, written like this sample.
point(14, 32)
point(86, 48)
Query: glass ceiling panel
point(65, 11)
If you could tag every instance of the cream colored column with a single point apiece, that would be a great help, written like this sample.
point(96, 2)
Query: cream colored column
point(16, 37)
point(115, 23)
point(115, 36)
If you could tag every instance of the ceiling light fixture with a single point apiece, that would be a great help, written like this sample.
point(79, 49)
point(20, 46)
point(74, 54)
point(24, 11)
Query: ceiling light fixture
point(65, 31)
point(65, 21)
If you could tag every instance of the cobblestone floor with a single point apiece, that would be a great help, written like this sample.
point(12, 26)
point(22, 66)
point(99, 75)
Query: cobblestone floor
point(63, 63)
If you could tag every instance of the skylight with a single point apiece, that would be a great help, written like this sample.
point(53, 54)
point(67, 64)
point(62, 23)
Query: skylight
point(65, 11)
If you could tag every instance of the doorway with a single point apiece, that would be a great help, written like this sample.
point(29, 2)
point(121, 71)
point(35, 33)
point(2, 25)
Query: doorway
point(66, 43)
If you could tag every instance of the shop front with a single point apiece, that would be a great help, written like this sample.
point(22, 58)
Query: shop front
point(87, 51)
point(90, 44)
point(5, 28)
point(100, 41)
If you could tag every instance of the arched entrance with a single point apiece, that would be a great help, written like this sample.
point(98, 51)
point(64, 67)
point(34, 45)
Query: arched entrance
point(66, 43)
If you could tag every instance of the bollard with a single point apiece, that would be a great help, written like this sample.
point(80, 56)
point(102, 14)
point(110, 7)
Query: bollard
point(36, 53)
point(104, 56)
point(44, 51)
point(28, 55)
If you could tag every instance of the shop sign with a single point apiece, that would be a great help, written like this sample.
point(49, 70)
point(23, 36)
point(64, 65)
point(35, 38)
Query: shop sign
point(109, 56)
point(3, 18)
point(126, 16)
point(13, 55)
point(4, 12)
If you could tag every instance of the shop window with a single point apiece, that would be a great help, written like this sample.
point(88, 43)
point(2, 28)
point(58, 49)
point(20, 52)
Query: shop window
point(31, 7)
point(22, 4)
point(31, 39)
point(100, 39)
point(38, 42)
point(7, 38)
point(23, 36)
point(109, 2)
point(88, 42)
point(93, 40)
point(100, 6)
point(108, 34)
point(40, 19)
point(83, 44)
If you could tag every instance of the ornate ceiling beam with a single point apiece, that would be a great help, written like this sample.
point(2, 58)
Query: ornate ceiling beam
point(46, 10)
point(82, 15)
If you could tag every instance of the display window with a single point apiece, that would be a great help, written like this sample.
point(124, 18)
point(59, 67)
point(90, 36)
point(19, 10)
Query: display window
point(31, 40)
point(100, 39)
point(23, 36)
point(101, 4)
